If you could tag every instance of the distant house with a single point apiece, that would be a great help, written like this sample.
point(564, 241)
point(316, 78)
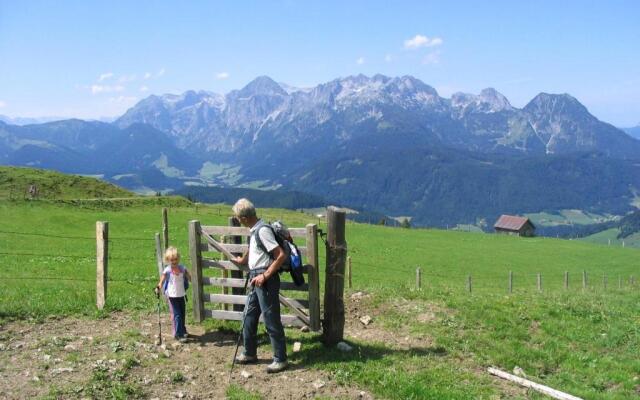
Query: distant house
point(512, 225)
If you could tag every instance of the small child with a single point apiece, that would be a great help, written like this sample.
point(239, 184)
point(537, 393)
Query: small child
point(174, 282)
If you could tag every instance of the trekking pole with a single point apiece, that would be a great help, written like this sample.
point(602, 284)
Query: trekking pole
point(157, 292)
point(244, 314)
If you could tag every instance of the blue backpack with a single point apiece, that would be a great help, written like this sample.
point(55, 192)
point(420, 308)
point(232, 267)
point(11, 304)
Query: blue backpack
point(165, 285)
point(293, 262)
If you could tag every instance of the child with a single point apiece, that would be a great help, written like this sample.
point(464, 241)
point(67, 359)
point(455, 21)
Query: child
point(174, 281)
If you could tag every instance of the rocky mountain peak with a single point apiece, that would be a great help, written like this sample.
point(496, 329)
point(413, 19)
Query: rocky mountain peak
point(496, 100)
point(488, 101)
point(556, 105)
point(262, 85)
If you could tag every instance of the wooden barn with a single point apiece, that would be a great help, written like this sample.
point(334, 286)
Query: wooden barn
point(512, 225)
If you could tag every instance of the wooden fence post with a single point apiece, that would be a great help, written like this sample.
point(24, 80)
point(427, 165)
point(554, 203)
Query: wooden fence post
point(195, 253)
point(584, 280)
point(510, 282)
point(233, 221)
point(333, 327)
point(469, 283)
point(619, 282)
point(604, 281)
point(102, 262)
point(539, 281)
point(349, 271)
point(159, 255)
point(418, 278)
point(165, 228)
point(313, 277)
point(566, 280)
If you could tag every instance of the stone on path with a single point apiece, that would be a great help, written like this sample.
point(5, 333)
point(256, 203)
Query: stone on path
point(366, 320)
point(297, 346)
point(245, 374)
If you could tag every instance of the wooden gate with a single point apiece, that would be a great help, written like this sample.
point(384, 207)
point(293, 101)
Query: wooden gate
point(302, 311)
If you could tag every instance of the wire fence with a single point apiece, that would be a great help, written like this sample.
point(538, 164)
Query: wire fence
point(89, 257)
point(124, 258)
point(506, 282)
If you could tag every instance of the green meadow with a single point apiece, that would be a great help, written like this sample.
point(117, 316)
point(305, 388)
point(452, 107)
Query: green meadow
point(583, 341)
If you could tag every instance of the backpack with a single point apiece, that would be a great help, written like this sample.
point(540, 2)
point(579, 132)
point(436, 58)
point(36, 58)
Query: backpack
point(293, 261)
point(165, 285)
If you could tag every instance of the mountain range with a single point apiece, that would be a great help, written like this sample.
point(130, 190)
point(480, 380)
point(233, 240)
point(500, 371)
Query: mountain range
point(265, 113)
point(386, 144)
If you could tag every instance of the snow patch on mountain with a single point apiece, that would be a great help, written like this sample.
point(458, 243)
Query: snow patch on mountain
point(488, 101)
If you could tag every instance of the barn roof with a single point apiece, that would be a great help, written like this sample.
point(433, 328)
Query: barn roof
point(511, 222)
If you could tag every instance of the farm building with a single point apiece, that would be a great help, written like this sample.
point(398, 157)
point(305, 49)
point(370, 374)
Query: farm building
point(512, 225)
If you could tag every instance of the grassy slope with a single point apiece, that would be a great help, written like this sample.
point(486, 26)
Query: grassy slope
point(584, 343)
point(14, 181)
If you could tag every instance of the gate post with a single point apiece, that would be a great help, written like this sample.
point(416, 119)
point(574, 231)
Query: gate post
point(195, 252)
point(233, 221)
point(333, 327)
point(313, 276)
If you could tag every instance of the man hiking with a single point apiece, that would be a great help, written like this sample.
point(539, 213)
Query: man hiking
point(263, 261)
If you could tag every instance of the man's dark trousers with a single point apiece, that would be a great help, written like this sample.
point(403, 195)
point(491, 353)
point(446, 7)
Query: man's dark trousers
point(264, 300)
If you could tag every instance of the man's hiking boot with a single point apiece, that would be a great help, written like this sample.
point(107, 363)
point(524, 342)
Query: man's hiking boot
point(245, 359)
point(276, 366)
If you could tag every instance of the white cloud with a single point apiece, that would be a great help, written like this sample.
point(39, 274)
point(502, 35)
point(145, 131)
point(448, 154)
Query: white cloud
point(388, 58)
point(2, 104)
point(360, 61)
point(222, 75)
point(421, 41)
point(144, 88)
point(96, 89)
point(160, 73)
point(105, 76)
point(147, 75)
point(431, 58)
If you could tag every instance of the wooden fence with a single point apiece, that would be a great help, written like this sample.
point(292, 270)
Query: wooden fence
point(303, 311)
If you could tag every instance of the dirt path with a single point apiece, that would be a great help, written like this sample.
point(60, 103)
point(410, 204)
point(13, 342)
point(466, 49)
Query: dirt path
point(81, 358)
point(117, 357)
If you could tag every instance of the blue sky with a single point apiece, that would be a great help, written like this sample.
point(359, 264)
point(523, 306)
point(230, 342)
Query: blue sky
point(91, 59)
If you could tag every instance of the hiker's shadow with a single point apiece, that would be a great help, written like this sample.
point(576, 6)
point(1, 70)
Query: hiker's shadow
point(217, 337)
point(314, 353)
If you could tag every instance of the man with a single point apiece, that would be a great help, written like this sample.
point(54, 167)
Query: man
point(265, 283)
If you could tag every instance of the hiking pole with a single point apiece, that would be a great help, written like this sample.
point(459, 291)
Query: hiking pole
point(157, 292)
point(244, 314)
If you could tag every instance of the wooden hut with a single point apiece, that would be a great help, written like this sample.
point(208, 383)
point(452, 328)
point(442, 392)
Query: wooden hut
point(512, 225)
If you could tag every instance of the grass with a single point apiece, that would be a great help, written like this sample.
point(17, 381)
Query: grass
point(583, 342)
point(15, 182)
point(235, 392)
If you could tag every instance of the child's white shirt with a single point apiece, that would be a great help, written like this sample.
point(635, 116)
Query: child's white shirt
point(175, 288)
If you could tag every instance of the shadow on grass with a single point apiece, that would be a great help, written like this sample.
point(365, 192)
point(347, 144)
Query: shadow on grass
point(314, 353)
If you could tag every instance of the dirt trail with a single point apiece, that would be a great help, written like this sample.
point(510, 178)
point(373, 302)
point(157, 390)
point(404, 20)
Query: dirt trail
point(72, 358)
point(81, 358)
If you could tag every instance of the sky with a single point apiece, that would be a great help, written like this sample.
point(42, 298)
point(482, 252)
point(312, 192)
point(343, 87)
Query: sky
point(93, 59)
